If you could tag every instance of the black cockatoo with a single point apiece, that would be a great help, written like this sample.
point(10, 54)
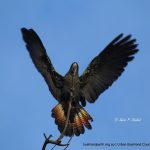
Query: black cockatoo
point(103, 70)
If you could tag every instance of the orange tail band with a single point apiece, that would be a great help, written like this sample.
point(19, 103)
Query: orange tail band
point(78, 119)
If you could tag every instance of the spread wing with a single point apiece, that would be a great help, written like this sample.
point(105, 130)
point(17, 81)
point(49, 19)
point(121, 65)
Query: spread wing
point(105, 68)
point(42, 62)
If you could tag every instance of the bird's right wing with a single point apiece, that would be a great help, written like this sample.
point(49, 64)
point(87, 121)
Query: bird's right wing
point(105, 68)
point(42, 62)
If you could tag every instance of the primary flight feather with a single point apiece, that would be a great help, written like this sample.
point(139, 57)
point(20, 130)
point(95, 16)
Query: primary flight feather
point(103, 70)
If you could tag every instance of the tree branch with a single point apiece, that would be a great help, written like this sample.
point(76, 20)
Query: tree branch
point(48, 141)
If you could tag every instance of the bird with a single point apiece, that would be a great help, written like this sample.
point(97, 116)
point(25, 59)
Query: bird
point(99, 75)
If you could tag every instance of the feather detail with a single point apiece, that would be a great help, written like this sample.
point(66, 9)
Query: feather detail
point(107, 66)
point(78, 119)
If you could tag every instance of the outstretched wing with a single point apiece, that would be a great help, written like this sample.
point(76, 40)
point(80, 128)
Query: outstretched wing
point(42, 62)
point(105, 68)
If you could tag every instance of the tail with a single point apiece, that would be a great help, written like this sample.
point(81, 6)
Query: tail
point(79, 118)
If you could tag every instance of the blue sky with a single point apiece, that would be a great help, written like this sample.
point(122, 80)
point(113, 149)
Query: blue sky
point(71, 31)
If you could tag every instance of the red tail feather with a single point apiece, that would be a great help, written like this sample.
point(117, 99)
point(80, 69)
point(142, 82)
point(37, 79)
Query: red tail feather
point(78, 119)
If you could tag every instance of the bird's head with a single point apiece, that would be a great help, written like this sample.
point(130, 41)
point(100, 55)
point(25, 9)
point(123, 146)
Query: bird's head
point(74, 68)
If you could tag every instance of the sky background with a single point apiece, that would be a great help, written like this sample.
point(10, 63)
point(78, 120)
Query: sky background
point(75, 30)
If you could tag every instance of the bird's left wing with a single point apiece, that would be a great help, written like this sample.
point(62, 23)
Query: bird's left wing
point(107, 67)
point(42, 62)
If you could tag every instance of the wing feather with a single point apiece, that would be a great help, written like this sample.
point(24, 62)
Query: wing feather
point(42, 62)
point(105, 68)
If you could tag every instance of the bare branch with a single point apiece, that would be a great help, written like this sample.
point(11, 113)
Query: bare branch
point(68, 142)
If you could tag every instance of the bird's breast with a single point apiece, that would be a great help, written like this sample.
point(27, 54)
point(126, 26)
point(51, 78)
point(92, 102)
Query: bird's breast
point(67, 88)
